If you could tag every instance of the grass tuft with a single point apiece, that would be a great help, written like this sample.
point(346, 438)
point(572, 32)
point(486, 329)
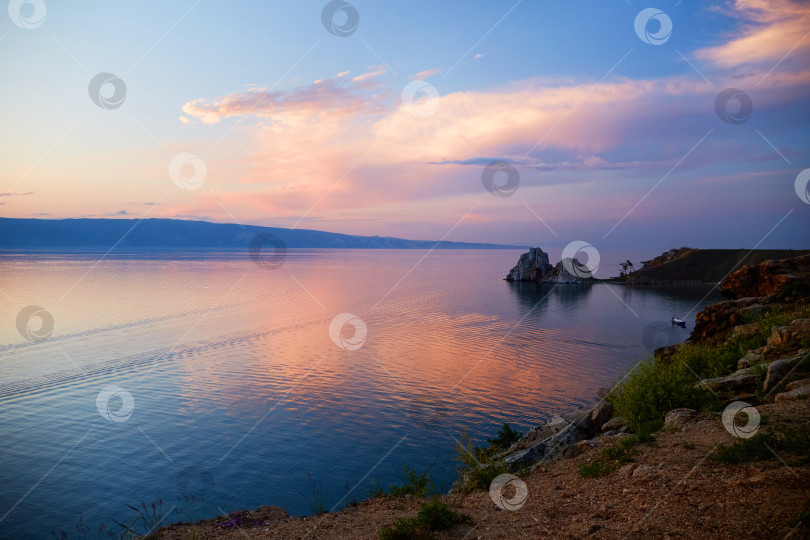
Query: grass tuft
point(433, 516)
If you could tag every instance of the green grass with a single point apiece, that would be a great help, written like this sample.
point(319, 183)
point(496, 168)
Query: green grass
point(419, 484)
point(596, 469)
point(477, 466)
point(622, 452)
point(687, 445)
point(656, 386)
point(433, 516)
point(782, 439)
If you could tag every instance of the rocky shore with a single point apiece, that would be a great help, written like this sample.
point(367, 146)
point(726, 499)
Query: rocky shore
point(709, 439)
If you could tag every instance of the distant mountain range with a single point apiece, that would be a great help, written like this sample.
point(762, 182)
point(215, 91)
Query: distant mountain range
point(172, 234)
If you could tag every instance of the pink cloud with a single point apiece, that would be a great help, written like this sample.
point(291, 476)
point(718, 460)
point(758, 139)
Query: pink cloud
point(771, 29)
point(422, 75)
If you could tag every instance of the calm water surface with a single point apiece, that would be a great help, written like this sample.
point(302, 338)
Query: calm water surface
point(241, 398)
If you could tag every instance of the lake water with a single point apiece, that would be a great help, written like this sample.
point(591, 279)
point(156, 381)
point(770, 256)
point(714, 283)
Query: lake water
point(213, 376)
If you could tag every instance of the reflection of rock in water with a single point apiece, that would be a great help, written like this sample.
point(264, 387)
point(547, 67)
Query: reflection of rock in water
point(531, 293)
point(427, 412)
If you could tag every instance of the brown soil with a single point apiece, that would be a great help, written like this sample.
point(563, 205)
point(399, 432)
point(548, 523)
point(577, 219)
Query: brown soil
point(669, 491)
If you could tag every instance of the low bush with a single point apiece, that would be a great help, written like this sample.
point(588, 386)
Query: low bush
point(596, 469)
point(655, 388)
point(776, 441)
point(419, 484)
point(433, 516)
point(477, 465)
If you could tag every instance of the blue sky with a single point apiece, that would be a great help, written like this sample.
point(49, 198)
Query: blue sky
point(616, 141)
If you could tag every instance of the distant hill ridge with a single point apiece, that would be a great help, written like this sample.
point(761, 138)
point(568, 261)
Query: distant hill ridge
point(689, 265)
point(165, 234)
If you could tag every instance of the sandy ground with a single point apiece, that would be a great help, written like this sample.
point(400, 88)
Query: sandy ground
point(669, 491)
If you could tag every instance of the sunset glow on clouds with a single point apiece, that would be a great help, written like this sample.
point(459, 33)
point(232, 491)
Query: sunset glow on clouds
point(348, 151)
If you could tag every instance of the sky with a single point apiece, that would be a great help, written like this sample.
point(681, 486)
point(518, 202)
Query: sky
point(619, 123)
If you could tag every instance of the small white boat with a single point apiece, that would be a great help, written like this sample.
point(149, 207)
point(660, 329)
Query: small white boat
point(678, 322)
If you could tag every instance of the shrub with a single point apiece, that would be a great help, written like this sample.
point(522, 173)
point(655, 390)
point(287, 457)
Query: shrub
point(596, 468)
point(792, 439)
point(655, 388)
point(506, 437)
point(419, 484)
point(433, 516)
point(477, 465)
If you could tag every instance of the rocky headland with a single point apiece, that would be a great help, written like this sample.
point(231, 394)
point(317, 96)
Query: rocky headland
point(707, 439)
point(534, 266)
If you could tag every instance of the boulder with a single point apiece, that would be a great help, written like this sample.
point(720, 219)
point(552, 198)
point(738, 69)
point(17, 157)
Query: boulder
point(797, 384)
point(615, 423)
point(551, 440)
point(679, 419)
point(751, 358)
point(779, 369)
point(802, 392)
point(766, 278)
point(745, 330)
point(792, 334)
point(741, 379)
point(717, 321)
point(601, 414)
